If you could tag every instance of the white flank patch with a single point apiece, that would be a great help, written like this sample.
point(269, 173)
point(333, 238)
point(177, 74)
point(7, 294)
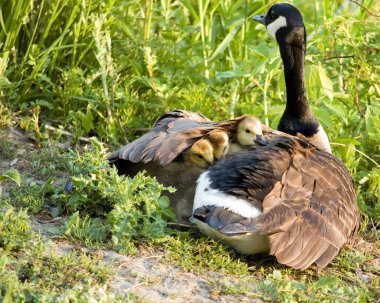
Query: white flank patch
point(321, 140)
point(207, 196)
point(276, 25)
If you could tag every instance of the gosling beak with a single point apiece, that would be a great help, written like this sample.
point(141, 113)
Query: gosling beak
point(261, 140)
point(260, 18)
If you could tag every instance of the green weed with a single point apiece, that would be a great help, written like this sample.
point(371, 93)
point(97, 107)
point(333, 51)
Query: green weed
point(7, 149)
point(127, 208)
point(327, 288)
point(200, 255)
point(15, 231)
point(48, 161)
point(30, 196)
point(5, 114)
point(92, 231)
point(35, 277)
point(31, 270)
point(12, 175)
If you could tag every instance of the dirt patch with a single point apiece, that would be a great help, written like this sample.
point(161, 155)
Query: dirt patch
point(149, 276)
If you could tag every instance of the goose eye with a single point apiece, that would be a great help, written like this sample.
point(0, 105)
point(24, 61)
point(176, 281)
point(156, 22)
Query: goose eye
point(200, 156)
point(273, 15)
point(247, 131)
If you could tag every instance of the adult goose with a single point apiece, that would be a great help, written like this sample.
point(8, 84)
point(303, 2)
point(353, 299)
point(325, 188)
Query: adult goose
point(290, 198)
point(285, 24)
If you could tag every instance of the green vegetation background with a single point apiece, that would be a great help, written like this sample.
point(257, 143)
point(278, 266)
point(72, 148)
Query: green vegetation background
point(109, 68)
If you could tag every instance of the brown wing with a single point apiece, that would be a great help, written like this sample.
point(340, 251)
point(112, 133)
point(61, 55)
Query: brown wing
point(231, 125)
point(179, 113)
point(173, 133)
point(311, 212)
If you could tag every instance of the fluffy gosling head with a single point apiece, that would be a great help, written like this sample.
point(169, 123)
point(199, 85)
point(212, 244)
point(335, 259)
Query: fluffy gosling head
point(220, 142)
point(250, 131)
point(200, 154)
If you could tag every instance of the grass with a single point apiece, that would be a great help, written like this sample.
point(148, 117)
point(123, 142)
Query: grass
point(202, 255)
point(7, 149)
point(30, 270)
point(75, 69)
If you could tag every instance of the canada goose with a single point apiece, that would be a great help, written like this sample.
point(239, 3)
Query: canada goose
point(220, 142)
point(247, 133)
point(290, 197)
point(201, 154)
point(285, 24)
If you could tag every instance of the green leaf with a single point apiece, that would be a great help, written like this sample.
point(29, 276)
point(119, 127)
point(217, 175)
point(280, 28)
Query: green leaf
point(88, 120)
point(55, 230)
point(326, 83)
point(226, 41)
point(340, 110)
point(163, 201)
point(372, 118)
point(11, 174)
point(44, 103)
point(230, 74)
point(326, 281)
point(277, 274)
point(323, 116)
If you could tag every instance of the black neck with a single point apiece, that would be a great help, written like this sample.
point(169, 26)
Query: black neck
point(298, 116)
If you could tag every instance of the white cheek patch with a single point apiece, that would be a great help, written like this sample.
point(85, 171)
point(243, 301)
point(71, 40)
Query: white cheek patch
point(276, 25)
point(207, 196)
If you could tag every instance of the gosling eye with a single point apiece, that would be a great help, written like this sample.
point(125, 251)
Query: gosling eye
point(200, 157)
point(273, 15)
point(247, 131)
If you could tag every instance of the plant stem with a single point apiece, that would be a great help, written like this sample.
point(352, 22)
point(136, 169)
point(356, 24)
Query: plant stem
point(203, 36)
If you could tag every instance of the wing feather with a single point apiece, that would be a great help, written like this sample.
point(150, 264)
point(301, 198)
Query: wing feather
point(172, 133)
point(311, 212)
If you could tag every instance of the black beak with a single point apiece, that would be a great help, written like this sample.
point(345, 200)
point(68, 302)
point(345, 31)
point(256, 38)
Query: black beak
point(260, 18)
point(261, 140)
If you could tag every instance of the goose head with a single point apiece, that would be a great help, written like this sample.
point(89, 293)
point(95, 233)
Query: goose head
point(220, 142)
point(282, 16)
point(250, 131)
point(200, 154)
point(285, 24)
